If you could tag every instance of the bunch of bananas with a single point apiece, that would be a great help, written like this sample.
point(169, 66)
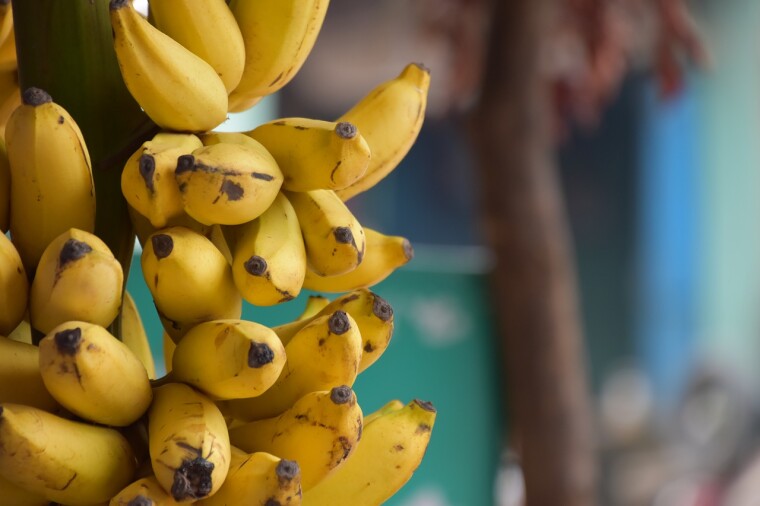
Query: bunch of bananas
point(246, 414)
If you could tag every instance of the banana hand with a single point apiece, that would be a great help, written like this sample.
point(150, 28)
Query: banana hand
point(20, 379)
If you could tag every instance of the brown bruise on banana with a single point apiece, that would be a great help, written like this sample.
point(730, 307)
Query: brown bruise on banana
point(147, 169)
point(69, 341)
point(259, 355)
point(163, 245)
point(344, 235)
point(140, 500)
point(338, 323)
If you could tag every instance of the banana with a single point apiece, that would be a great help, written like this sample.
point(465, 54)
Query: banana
point(176, 89)
point(333, 237)
point(278, 37)
point(258, 479)
point(20, 379)
point(169, 347)
point(208, 29)
point(319, 431)
point(323, 354)
point(211, 138)
point(8, 60)
point(314, 154)
point(93, 374)
point(69, 462)
point(390, 118)
point(78, 278)
point(51, 176)
point(14, 495)
point(6, 21)
point(147, 181)
point(227, 183)
point(188, 441)
point(391, 449)
point(229, 359)
point(14, 287)
point(9, 102)
point(190, 280)
point(23, 332)
point(5, 189)
point(269, 256)
point(143, 492)
point(314, 304)
point(134, 336)
point(388, 407)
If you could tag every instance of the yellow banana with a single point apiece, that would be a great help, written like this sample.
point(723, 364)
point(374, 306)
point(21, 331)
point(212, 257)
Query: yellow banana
point(268, 255)
point(69, 462)
point(23, 332)
point(14, 287)
point(314, 304)
point(226, 183)
point(143, 492)
point(278, 37)
point(323, 354)
point(20, 379)
point(229, 359)
point(9, 102)
point(208, 29)
point(383, 255)
point(78, 278)
point(211, 138)
point(390, 118)
point(5, 189)
point(14, 495)
point(6, 21)
point(333, 237)
point(388, 407)
point(93, 374)
point(134, 336)
point(51, 176)
point(176, 89)
point(314, 154)
point(391, 449)
point(188, 441)
point(169, 347)
point(319, 431)
point(258, 479)
point(8, 59)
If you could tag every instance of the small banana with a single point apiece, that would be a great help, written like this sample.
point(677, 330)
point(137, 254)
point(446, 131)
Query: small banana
point(5, 188)
point(143, 492)
point(14, 287)
point(314, 154)
point(176, 89)
point(14, 495)
point(134, 336)
point(333, 237)
point(69, 462)
point(392, 446)
point(188, 441)
point(78, 278)
point(383, 255)
point(390, 118)
point(314, 304)
point(20, 379)
point(319, 431)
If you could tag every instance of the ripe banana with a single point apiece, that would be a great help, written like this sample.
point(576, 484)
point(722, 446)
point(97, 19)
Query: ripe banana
point(314, 154)
point(69, 462)
point(391, 449)
point(229, 359)
point(134, 336)
point(78, 278)
point(9, 101)
point(51, 176)
point(14, 287)
point(23, 332)
point(383, 255)
point(208, 29)
point(211, 138)
point(314, 304)
point(176, 89)
point(143, 492)
point(14, 495)
point(5, 188)
point(389, 407)
point(390, 118)
point(278, 37)
point(188, 441)
point(20, 379)
point(93, 374)
point(319, 431)
point(227, 183)
point(333, 237)
point(169, 347)
point(323, 354)
point(268, 255)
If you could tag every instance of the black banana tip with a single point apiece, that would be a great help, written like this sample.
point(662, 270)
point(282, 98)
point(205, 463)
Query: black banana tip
point(259, 355)
point(192, 480)
point(35, 96)
point(147, 170)
point(163, 245)
point(426, 405)
point(422, 67)
point(140, 500)
point(287, 469)
point(67, 341)
point(408, 250)
point(72, 251)
point(341, 394)
point(381, 308)
point(338, 323)
point(185, 163)
point(118, 4)
point(343, 235)
point(255, 266)
point(346, 130)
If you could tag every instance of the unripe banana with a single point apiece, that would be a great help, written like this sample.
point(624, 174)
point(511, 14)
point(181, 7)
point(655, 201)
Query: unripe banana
point(5, 187)
point(93, 374)
point(390, 118)
point(134, 336)
point(314, 154)
point(314, 304)
point(51, 176)
point(333, 237)
point(383, 255)
point(188, 441)
point(72, 463)
point(20, 379)
point(208, 29)
point(14, 495)
point(319, 431)
point(14, 287)
point(278, 37)
point(176, 89)
point(78, 278)
point(143, 492)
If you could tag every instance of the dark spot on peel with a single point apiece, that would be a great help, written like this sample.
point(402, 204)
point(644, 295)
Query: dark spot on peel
point(276, 79)
point(332, 173)
point(259, 355)
point(192, 480)
point(339, 323)
point(35, 97)
point(272, 502)
point(287, 470)
point(398, 448)
point(279, 123)
point(163, 245)
point(185, 163)
point(300, 127)
point(422, 428)
point(60, 120)
point(233, 190)
point(343, 235)
point(262, 176)
point(341, 394)
point(72, 251)
point(67, 341)
point(408, 250)
point(426, 405)
point(255, 266)
point(148, 170)
point(140, 500)
point(381, 308)
point(368, 348)
point(346, 130)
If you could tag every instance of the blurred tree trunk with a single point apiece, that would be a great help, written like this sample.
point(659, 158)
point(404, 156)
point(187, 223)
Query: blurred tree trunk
point(534, 284)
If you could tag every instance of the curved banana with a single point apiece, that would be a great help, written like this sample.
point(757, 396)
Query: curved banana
point(51, 176)
point(188, 441)
point(20, 379)
point(5, 188)
point(314, 154)
point(333, 237)
point(388, 407)
point(278, 37)
point(208, 29)
point(17, 496)
point(391, 449)
point(229, 359)
point(93, 374)
point(68, 462)
point(319, 431)
point(143, 492)
point(314, 304)
point(14, 287)
point(390, 118)
point(78, 278)
point(383, 255)
point(134, 336)
point(176, 89)
point(227, 183)
point(269, 256)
